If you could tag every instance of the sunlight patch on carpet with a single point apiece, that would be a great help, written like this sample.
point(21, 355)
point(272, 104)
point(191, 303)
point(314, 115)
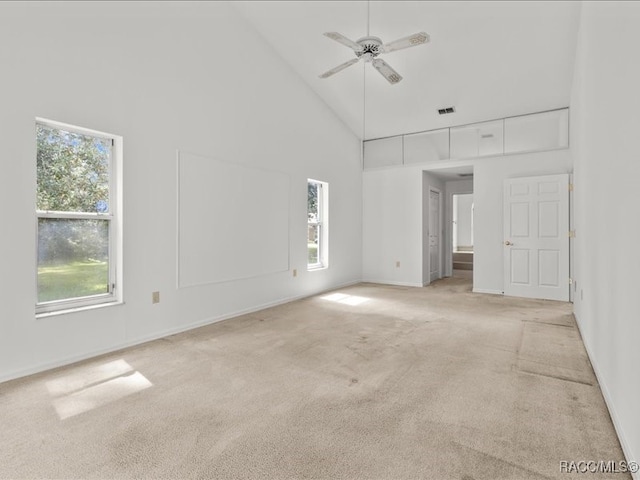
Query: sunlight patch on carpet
point(95, 386)
point(87, 376)
point(353, 300)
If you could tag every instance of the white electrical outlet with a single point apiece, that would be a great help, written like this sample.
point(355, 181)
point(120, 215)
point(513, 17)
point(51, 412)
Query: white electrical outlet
point(155, 297)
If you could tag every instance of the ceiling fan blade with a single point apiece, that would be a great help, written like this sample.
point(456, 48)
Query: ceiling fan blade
point(387, 72)
point(338, 37)
point(406, 42)
point(339, 68)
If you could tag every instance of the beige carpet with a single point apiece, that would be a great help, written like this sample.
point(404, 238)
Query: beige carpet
point(368, 382)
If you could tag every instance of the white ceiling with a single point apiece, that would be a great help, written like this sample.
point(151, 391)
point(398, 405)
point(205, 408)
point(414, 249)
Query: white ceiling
point(488, 59)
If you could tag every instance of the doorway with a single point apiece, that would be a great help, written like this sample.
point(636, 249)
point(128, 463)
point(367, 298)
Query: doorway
point(462, 231)
point(443, 182)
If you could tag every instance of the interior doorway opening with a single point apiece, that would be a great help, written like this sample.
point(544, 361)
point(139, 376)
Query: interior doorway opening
point(455, 185)
point(462, 231)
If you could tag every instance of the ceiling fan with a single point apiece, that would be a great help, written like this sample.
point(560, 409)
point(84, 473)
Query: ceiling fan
point(368, 48)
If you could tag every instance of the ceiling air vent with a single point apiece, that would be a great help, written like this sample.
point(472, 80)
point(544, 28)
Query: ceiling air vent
point(444, 111)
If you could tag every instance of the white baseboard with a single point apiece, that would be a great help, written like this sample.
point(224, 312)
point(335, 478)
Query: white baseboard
point(42, 367)
point(617, 425)
point(487, 290)
point(397, 284)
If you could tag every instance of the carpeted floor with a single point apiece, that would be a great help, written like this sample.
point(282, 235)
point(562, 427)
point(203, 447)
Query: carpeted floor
point(368, 382)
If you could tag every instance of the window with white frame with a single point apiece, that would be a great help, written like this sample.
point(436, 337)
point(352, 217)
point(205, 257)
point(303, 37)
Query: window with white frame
point(78, 214)
point(317, 224)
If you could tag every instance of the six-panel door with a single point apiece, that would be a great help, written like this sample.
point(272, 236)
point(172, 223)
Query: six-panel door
point(536, 237)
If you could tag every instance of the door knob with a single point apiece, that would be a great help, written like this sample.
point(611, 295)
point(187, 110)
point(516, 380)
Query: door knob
point(508, 243)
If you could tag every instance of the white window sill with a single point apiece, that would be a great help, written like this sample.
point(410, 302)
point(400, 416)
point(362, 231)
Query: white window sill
point(316, 268)
point(85, 308)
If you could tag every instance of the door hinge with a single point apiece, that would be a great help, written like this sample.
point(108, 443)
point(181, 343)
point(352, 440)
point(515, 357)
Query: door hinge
point(571, 187)
point(572, 233)
point(571, 281)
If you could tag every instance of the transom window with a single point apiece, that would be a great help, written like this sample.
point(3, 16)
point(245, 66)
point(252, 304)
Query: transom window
point(77, 213)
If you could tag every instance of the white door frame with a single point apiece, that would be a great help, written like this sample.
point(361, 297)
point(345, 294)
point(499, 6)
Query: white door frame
point(572, 228)
point(448, 231)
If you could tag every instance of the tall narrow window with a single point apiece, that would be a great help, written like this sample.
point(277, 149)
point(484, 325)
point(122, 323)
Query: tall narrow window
point(77, 216)
point(317, 228)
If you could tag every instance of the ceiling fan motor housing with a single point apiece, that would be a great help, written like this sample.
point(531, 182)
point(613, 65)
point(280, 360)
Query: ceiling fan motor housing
point(371, 48)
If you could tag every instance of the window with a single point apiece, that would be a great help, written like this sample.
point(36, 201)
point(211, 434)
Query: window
point(78, 217)
point(317, 228)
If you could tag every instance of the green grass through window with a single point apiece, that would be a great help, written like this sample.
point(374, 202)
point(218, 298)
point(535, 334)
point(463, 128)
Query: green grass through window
point(72, 280)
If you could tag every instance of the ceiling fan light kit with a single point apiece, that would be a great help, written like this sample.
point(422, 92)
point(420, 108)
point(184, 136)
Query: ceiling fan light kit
point(369, 48)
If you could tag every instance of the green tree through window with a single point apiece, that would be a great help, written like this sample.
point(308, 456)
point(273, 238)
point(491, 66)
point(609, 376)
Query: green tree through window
point(73, 171)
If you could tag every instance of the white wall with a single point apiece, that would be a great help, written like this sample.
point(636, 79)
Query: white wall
point(605, 121)
point(395, 223)
point(392, 226)
point(165, 76)
point(393, 217)
point(488, 178)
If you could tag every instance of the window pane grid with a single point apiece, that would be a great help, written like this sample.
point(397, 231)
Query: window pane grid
point(75, 215)
point(315, 225)
point(80, 215)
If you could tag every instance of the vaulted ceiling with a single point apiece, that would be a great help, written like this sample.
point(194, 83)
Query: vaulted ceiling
point(487, 59)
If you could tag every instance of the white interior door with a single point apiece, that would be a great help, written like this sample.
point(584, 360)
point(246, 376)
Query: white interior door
point(536, 237)
point(434, 235)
